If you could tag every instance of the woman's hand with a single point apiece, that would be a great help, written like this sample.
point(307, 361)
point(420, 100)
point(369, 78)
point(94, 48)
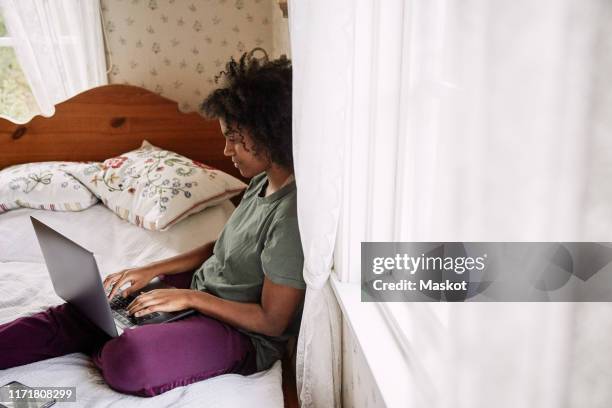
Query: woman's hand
point(137, 277)
point(161, 300)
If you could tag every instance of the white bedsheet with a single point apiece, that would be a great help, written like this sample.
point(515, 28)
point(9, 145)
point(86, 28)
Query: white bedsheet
point(25, 288)
point(226, 391)
point(116, 243)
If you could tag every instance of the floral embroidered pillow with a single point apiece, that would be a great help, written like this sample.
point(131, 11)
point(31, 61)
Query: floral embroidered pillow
point(155, 188)
point(44, 186)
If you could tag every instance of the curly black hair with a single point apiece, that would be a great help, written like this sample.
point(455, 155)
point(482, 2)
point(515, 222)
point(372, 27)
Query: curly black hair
point(256, 95)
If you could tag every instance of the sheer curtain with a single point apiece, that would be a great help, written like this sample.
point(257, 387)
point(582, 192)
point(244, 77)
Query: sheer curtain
point(59, 44)
point(321, 91)
point(437, 120)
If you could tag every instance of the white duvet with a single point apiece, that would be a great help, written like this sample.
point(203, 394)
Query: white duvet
point(25, 288)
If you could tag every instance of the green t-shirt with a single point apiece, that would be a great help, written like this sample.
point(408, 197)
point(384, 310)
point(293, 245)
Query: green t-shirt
point(260, 238)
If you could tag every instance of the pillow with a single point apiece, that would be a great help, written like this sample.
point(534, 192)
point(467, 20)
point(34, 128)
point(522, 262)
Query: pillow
point(156, 188)
point(44, 186)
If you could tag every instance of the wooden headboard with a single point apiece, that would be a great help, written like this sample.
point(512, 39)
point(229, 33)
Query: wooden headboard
point(109, 120)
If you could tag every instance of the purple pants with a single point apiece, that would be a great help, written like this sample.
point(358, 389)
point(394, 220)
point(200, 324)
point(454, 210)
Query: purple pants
point(146, 361)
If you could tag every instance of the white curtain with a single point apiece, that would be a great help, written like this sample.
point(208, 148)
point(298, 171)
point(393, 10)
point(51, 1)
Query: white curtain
point(438, 120)
point(319, 91)
point(59, 45)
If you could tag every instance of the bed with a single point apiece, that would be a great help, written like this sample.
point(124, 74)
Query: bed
point(93, 126)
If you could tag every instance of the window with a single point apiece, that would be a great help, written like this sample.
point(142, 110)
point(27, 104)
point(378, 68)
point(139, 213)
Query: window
point(17, 102)
point(390, 159)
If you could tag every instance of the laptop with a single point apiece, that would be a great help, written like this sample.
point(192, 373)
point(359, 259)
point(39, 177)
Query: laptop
point(76, 279)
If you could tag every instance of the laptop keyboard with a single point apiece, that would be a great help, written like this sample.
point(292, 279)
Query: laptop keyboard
point(119, 306)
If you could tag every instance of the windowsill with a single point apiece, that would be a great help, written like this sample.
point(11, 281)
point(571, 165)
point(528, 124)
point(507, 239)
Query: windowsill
point(381, 350)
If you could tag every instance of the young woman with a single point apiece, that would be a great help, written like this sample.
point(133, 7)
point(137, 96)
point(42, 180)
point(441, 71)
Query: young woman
point(248, 294)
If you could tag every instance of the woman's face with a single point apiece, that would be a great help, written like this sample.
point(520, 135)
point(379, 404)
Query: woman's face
point(240, 148)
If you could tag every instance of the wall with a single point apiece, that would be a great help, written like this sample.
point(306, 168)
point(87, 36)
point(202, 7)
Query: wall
point(176, 48)
point(280, 33)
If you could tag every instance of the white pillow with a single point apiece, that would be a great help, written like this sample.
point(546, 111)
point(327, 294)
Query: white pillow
point(155, 188)
point(44, 186)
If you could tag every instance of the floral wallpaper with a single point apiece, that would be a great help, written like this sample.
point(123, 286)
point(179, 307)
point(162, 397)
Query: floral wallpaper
point(176, 47)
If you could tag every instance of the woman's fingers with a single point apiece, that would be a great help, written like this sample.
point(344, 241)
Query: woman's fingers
point(109, 283)
point(113, 291)
point(162, 300)
point(144, 305)
point(138, 301)
point(144, 301)
point(133, 288)
point(118, 284)
point(113, 277)
point(146, 310)
point(135, 303)
point(110, 279)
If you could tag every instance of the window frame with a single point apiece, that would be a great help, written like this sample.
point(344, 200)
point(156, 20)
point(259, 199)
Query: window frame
point(7, 41)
